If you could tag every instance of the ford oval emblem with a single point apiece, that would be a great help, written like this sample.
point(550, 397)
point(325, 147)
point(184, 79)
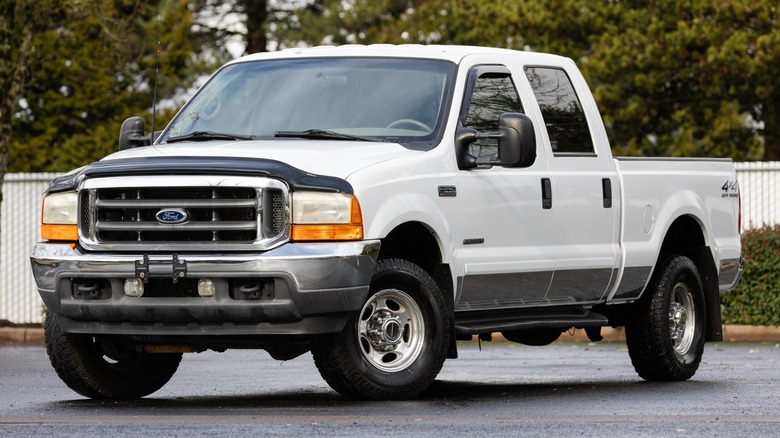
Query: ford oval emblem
point(170, 216)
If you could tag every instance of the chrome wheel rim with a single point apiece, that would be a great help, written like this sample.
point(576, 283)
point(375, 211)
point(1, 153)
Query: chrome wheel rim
point(682, 319)
point(390, 330)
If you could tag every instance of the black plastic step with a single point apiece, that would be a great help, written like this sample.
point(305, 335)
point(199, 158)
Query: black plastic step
point(489, 321)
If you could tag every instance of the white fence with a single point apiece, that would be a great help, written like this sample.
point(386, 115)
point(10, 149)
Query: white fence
point(759, 184)
point(21, 211)
point(19, 302)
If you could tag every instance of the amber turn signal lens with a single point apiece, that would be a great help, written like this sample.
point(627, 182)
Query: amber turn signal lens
point(59, 232)
point(327, 232)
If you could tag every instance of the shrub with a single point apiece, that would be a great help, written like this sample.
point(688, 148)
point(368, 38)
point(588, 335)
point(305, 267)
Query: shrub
point(756, 300)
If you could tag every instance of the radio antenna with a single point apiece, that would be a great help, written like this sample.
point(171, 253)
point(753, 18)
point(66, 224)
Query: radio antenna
point(156, 71)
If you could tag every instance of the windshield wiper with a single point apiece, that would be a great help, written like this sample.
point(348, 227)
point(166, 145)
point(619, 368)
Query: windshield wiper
point(321, 134)
point(208, 135)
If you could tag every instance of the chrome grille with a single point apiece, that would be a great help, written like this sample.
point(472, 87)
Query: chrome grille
point(86, 222)
point(228, 214)
point(277, 207)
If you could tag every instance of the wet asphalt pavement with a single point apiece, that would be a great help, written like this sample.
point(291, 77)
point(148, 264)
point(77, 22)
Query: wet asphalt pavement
point(504, 390)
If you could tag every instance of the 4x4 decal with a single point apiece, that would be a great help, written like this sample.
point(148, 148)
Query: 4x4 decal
point(730, 189)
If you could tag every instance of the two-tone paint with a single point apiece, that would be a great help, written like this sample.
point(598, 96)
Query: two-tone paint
point(503, 246)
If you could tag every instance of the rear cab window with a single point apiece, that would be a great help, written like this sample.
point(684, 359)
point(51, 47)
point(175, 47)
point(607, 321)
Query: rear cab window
point(562, 111)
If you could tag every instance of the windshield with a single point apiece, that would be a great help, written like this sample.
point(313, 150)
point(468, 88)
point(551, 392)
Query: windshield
point(384, 99)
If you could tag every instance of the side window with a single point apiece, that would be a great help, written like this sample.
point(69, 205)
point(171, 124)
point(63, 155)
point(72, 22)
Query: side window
point(493, 94)
point(563, 115)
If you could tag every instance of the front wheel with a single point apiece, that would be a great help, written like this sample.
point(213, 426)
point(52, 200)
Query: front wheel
point(666, 339)
point(396, 345)
point(104, 366)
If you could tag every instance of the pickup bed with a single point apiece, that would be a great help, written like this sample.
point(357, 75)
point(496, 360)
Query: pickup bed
point(373, 205)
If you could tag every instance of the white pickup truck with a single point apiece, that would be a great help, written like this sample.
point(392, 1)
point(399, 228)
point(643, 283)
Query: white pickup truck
point(372, 205)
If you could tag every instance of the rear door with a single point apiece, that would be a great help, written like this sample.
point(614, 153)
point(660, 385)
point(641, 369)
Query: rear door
point(584, 188)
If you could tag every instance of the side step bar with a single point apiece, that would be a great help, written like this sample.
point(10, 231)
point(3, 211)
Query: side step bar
point(482, 322)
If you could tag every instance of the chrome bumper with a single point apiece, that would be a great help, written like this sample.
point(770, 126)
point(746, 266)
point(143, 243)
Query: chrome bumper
point(304, 288)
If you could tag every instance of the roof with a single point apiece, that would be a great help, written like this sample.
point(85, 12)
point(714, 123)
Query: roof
point(444, 52)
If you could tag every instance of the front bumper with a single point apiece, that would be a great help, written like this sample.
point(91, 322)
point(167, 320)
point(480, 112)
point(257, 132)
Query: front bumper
point(295, 289)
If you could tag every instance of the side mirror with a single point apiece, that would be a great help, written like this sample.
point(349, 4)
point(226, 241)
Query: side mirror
point(516, 140)
point(131, 134)
point(463, 138)
point(516, 143)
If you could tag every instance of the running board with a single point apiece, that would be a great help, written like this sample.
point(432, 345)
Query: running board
point(489, 321)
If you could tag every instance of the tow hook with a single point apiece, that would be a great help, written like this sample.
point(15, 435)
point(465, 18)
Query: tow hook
point(179, 268)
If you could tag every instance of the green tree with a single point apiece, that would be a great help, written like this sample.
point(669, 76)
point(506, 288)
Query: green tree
point(671, 78)
point(20, 21)
point(683, 78)
point(97, 67)
point(258, 25)
point(335, 22)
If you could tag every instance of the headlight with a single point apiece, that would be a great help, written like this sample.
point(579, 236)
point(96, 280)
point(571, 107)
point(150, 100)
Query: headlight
point(59, 217)
point(326, 216)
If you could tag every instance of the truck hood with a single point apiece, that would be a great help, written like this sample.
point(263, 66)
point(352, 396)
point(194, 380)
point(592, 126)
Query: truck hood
point(333, 158)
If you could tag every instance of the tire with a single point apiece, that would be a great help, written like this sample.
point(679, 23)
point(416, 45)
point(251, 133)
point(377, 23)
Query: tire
point(666, 338)
point(104, 367)
point(396, 345)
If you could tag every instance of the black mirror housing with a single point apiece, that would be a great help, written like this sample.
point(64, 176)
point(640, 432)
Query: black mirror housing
point(516, 143)
point(463, 138)
point(516, 140)
point(131, 134)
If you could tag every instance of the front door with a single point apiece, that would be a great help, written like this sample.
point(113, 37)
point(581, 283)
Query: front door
point(503, 234)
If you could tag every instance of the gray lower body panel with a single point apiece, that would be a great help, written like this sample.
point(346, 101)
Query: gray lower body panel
point(529, 289)
point(633, 282)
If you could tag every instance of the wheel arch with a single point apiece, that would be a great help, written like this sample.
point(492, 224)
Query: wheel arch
point(417, 243)
point(687, 236)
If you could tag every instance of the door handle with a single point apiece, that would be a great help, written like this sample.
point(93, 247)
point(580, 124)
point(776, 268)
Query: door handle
point(606, 188)
point(546, 194)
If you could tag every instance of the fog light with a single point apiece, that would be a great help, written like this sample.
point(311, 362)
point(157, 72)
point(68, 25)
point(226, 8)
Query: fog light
point(206, 288)
point(134, 287)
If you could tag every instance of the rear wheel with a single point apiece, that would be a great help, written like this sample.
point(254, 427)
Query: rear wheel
point(106, 366)
point(396, 345)
point(666, 339)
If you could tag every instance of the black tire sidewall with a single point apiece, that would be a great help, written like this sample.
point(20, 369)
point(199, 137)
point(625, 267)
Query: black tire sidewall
point(433, 346)
point(648, 337)
point(80, 364)
point(145, 374)
point(682, 270)
point(342, 363)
